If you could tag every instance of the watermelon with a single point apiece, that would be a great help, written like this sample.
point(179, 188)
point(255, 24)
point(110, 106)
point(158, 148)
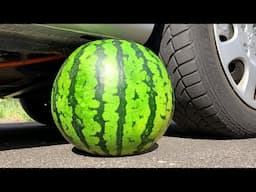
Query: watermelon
point(112, 98)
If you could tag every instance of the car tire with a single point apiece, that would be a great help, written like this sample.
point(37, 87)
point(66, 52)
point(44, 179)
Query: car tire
point(206, 102)
point(37, 106)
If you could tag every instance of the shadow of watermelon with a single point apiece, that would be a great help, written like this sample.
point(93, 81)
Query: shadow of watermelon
point(84, 153)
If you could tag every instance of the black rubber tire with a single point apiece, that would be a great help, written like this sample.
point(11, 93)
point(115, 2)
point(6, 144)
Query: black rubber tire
point(205, 101)
point(38, 107)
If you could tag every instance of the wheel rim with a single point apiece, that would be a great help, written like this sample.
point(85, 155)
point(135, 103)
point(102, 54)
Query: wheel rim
point(236, 46)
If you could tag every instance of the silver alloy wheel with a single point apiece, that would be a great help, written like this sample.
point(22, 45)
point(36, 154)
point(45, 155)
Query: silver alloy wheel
point(236, 45)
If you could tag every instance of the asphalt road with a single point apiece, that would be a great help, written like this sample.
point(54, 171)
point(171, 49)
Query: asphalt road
point(31, 145)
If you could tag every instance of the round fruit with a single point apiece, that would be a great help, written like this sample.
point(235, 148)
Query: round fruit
point(112, 98)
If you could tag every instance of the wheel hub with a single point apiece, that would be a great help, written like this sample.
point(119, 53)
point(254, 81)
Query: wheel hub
point(236, 46)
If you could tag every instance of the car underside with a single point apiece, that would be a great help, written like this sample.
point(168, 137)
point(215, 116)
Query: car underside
point(31, 54)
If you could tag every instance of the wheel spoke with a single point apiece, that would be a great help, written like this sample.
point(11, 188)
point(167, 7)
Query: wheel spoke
point(247, 84)
point(231, 50)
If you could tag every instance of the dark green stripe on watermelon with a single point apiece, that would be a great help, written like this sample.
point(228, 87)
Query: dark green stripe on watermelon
point(99, 91)
point(152, 102)
point(155, 61)
point(173, 103)
point(122, 85)
point(56, 113)
point(55, 110)
point(77, 122)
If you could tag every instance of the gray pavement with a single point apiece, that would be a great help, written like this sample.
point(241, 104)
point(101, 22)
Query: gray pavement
point(31, 145)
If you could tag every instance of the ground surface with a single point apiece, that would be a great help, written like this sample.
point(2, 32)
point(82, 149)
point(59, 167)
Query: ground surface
point(26, 145)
